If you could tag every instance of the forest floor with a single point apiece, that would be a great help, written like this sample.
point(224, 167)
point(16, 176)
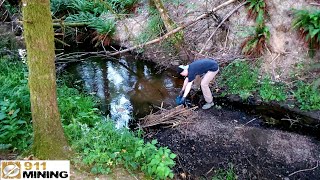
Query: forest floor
point(222, 137)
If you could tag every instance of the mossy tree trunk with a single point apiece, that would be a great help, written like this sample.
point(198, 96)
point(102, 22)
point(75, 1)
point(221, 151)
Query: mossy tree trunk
point(49, 139)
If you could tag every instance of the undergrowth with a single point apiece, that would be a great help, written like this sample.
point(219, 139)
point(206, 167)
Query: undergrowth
point(307, 96)
point(271, 91)
point(239, 78)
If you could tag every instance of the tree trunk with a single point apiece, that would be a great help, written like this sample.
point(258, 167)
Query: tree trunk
point(49, 139)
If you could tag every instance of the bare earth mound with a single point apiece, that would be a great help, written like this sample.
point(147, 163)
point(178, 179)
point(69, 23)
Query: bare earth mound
point(217, 138)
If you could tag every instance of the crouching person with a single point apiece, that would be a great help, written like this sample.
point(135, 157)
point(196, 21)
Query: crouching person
point(207, 69)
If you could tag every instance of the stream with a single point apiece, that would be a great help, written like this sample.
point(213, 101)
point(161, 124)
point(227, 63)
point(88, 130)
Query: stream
point(128, 89)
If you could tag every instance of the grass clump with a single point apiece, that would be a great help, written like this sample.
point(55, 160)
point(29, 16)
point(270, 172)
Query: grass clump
point(307, 96)
point(228, 174)
point(270, 91)
point(239, 78)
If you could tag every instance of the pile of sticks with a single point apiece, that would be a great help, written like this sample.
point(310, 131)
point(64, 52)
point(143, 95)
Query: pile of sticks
point(169, 118)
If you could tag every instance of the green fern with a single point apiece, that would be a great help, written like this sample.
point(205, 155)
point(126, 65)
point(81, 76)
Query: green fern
point(255, 7)
point(307, 22)
point(255, 44)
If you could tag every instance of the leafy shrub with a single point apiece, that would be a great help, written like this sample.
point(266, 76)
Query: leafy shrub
point(270, 91)
point(308, 24)
point(15, 116)
point(14, 132)
point(307, 96)
point(103, 147)
point(239, 78)
point(13, 85)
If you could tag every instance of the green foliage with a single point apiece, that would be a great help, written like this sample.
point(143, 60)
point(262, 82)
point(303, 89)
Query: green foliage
point(228, 174)
point(103, 147)
point(155, 161)
point(75, 106)
point(59, 6)
point(307, 22)
point(270, 91)
point(255, 44)
point(155, 27)
point(106, 27)
point(256, 7)
point(15, 117)
point(123, 6)
point(82, 17)
point(13, 85)
point(307, 96)
point(14, 132)
point(11, 9)
point(239, 78)
point(7, 41)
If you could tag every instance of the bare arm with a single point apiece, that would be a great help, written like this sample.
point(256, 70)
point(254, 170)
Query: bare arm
point(187, 89)
point(186, 80)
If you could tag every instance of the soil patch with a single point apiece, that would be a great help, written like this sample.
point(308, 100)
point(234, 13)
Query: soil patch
point(221, 137)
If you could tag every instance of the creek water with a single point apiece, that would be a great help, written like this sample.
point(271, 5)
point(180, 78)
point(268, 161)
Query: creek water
point(127, 88)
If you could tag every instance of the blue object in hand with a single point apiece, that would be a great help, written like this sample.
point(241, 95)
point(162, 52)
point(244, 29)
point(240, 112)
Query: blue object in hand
point(180, 100)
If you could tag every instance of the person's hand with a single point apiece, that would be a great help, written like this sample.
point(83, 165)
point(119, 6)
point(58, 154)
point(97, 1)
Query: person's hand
point(180, 100)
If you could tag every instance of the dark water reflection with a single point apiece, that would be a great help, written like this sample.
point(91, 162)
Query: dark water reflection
point(128, 89)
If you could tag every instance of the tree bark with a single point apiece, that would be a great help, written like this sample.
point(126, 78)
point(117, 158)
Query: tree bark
point(49, 139)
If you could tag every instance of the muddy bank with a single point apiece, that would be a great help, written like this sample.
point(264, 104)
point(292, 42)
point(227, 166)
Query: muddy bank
point(220, 137)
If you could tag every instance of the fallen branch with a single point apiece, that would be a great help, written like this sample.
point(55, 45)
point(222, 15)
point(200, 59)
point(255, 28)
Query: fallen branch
point(64, 24)
point(171, 117)
point(224, 19)
point(315, 4)
point(174, 30)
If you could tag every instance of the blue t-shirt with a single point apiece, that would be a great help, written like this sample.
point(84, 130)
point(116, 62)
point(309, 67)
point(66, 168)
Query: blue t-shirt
point(200, 67)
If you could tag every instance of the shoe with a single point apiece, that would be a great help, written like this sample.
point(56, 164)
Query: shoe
point(207, 105)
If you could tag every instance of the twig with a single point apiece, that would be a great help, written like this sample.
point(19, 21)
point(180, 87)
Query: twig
point(224, 19)
point(275, 58)
point(226, 41)
point(250, 121)
point(316, 4)
point(63, 43)
point(2, 3)
point(302, 170)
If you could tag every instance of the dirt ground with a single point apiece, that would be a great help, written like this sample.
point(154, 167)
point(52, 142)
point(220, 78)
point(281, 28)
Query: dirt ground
point(219, 137)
